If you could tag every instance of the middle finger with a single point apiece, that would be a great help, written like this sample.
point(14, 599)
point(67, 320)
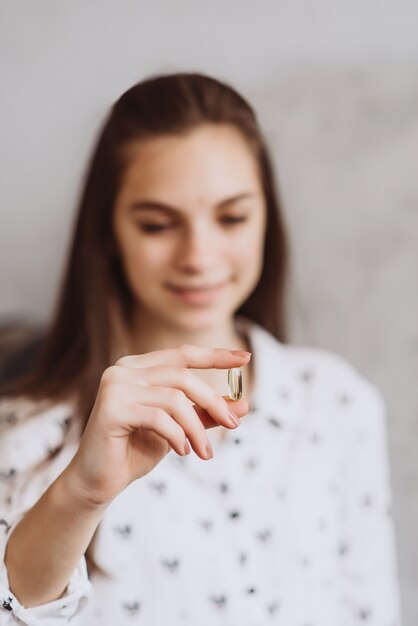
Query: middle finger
point(194, 388)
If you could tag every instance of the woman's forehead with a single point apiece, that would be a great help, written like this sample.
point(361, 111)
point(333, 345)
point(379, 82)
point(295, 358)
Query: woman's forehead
point(209, 164)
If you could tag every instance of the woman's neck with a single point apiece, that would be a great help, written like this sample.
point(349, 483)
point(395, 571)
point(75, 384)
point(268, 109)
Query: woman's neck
point(153, 334)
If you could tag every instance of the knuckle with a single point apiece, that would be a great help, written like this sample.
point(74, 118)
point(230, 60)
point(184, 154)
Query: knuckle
point(109, 376)
point(108, 402)
point(185, 375)
point(159, 415)
point(184, 349)
point(176, 398)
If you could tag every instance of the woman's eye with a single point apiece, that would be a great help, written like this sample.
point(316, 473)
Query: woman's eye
point(233, 219)
point(150, 227)
point(154, 228)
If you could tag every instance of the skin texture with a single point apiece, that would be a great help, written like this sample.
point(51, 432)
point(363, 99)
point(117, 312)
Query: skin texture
point(213, 234)
point(157, 400)
point(141, 408)
point(199, 244)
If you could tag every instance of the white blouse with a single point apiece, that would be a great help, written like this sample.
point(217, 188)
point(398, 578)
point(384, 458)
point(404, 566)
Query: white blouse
point(289, 524)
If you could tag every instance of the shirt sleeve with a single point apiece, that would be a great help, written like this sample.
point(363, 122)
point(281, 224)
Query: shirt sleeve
point(24, 476)
point(367, 551)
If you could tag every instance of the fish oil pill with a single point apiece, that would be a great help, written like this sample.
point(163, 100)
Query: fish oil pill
point(235, 383)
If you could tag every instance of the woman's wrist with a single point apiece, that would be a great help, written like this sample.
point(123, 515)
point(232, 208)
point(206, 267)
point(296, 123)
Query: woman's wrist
point(69, 489)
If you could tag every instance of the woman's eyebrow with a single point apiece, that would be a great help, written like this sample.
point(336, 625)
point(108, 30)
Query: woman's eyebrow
point(237, 198)
point(151, 205)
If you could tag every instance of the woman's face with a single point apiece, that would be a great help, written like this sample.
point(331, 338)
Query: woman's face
point(189, 222)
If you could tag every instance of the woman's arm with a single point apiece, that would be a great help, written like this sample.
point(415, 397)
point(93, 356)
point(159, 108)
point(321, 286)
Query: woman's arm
point(143, 408)
point(47, 544)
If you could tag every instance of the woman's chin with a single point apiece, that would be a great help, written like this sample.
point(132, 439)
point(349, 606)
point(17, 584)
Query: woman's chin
point(199, 320)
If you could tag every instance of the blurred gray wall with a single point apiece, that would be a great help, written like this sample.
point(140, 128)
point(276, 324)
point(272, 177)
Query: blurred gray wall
point(336, 86)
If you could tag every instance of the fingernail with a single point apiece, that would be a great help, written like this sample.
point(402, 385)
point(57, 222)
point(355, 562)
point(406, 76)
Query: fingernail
point(233, 419)
point(209, 451)
point(187, 448)
point(240, 353)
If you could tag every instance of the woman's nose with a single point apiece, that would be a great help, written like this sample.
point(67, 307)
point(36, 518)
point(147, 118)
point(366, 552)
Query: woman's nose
point(197, 249)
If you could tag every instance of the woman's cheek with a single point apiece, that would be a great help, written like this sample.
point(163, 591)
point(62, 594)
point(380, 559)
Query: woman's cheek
point(249, 239)
point(152, 261)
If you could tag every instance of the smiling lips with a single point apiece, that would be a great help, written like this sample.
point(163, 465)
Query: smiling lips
point(197, 295)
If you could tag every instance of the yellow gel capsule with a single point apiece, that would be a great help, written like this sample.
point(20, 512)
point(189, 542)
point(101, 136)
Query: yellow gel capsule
point(235, 383)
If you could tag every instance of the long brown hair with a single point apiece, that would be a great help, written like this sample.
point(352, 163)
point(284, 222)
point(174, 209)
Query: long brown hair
point(92, 321)
point(93, 315)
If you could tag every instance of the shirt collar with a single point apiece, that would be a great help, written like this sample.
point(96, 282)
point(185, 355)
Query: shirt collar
point(266, 356)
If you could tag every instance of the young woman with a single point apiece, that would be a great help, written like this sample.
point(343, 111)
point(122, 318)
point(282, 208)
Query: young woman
point(108, 455)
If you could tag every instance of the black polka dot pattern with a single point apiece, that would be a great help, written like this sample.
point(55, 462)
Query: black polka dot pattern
point(288, 524)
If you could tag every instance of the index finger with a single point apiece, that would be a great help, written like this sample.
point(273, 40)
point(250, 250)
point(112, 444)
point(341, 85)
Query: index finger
point(188, 355)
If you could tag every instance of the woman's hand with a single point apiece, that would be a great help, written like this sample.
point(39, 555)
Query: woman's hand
point(147, 405)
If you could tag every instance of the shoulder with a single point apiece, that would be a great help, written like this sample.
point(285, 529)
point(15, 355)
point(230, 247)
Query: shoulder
point(330, 379)
point(30, 431)
point(332, 372)
point(21, 411)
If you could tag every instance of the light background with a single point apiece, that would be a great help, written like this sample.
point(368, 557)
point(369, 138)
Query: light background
point(336, 86)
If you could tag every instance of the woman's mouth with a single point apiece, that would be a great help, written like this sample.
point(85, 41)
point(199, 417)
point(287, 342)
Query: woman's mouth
point(198, 295)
